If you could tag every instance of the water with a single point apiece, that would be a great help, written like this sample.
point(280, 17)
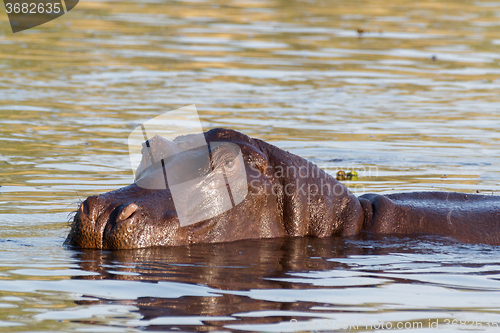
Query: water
point(410, 103)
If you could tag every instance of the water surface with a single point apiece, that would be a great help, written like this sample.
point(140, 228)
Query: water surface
point(405, 93)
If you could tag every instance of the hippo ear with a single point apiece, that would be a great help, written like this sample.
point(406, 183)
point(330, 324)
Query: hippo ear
point(311, 201)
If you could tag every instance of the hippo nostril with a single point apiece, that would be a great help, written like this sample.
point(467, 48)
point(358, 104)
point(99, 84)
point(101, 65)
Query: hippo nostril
point(84, 209)
point(88, 207)
point(128, 211)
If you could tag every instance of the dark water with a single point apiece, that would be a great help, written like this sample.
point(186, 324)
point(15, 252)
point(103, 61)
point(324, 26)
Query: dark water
point(405, 93)
point(273, 285)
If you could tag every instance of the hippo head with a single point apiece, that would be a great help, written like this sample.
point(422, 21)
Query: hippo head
point(244, 188)
point(186, 209)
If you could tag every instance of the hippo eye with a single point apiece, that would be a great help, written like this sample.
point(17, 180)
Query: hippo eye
point(229, 163)
point(224, 157)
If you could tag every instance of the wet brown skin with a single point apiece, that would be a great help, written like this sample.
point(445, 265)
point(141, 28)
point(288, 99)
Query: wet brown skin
point(280, 204)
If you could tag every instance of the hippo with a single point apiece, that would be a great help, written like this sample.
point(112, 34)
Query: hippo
point(284, 196)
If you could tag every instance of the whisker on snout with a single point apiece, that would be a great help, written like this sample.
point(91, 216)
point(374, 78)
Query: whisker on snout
point(72, 214)
point(71, 217)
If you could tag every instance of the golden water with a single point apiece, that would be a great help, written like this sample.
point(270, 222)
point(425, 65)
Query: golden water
point(411, 103)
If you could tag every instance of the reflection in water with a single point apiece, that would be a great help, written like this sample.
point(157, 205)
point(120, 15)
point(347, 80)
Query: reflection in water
point(270, 282)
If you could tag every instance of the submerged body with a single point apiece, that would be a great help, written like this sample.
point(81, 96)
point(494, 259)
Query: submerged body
point(286, 196)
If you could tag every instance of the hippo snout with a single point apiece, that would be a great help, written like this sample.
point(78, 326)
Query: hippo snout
point(125, 219)
point(98, 223)
point(91, 210)
point(87, 227)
